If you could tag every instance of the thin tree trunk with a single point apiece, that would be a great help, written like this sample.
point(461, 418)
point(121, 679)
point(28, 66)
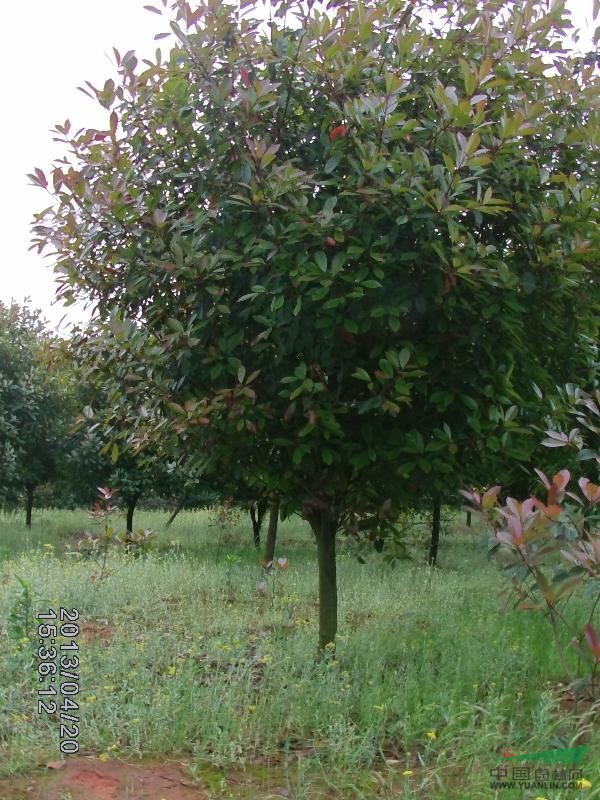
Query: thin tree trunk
point(435, 531)
point(325, 529)
point(177, 510)
point(131, 504)
point(469, 519)
point(272, 529)
point(257, 514)
point(28, 504)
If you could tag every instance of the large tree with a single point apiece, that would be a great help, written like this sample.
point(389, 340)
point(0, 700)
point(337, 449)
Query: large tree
point(336, 248)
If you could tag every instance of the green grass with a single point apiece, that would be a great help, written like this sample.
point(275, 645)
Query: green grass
point(429, 675)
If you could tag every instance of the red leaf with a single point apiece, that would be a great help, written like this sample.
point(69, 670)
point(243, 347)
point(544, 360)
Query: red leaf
point(592, 640)
point(41, 178)
point(543, 477)
point(557, 489)
point(472, 496)
point(196, 16)
point(245, 76)
point(338, 132)
point(490, 497)
point(590, 490)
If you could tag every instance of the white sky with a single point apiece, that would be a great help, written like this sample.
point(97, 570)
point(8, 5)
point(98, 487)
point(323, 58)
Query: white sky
point(50, 48)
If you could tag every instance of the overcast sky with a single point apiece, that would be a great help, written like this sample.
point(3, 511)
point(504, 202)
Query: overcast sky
point(49, 49)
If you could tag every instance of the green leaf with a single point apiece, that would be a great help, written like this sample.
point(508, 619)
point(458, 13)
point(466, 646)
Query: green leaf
point(298, 455)
point(332, 162)
point(327, 456)
point(329, 205)
point(361, 374)
point(300, 371)
point(321, 260)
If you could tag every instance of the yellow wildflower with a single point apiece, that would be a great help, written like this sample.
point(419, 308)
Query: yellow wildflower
point(407, 772)
point(431, 735)
point(584, 784)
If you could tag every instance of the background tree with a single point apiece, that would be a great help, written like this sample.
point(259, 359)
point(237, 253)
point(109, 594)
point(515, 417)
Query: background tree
point(35, 405)
point(328, 247)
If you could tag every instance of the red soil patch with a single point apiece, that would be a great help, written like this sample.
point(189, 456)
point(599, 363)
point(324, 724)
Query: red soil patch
point(104, 787)
point(94, 630)
point(91, 779)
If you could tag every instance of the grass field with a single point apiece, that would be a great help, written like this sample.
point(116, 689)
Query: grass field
point(182, 656)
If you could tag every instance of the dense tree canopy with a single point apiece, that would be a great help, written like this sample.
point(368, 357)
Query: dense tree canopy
point(331, 252)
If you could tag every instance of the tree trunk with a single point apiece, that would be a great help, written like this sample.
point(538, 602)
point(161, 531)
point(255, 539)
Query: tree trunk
point(28, 504)
point(257, 514)
point(272, 529)
point(325, 529)
point(180, 505)
point(435, 531)
point(468, 519)
point(131, 504)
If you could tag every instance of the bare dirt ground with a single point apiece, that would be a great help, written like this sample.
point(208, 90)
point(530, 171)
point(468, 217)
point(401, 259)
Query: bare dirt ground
point(86, 778)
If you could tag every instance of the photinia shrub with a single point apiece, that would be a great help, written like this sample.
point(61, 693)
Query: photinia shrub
point(550, 551)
